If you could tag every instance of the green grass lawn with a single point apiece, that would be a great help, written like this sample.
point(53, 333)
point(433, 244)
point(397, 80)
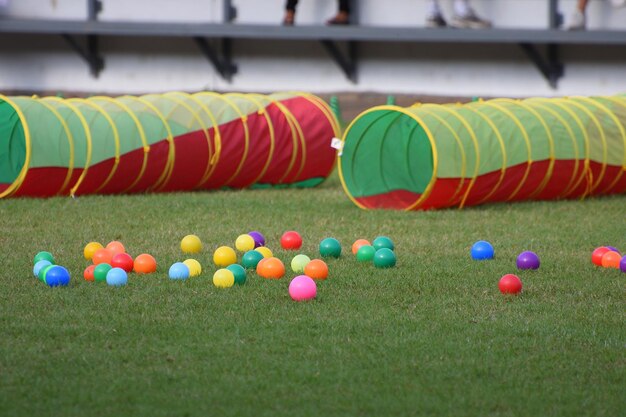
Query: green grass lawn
point(432, 336)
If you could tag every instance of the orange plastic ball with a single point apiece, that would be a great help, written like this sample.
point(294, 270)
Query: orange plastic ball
point(358, 243)
point(102, 256)
point(611, 259)
point(145, 264)
point(116, 247)
point(596, 256)
point(271, 268)
point(88, 274)
point(316, 269)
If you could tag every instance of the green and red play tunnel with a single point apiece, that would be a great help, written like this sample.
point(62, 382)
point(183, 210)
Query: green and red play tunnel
point(163, 142)
point(435, 156)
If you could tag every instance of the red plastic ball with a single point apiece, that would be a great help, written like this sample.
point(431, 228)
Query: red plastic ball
point(124, 261)
point(291, 240)
point(510, 284)
point(598, 253)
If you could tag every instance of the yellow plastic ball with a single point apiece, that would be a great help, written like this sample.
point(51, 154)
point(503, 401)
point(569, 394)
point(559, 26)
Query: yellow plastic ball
point(223, 278)
point(224, 256)
point(265, 251)
point(244, 243)
point(191, 244)
point(194, 266)
point(90, 249)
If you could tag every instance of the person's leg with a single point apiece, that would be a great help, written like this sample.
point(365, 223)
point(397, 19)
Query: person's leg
point(343, 14)
point(466, 18)
point(579, 21)
point(434, 17)
point(290, 12)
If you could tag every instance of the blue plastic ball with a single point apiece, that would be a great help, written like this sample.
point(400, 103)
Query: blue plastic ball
point(482, 250)
point(117, 277)
point(57, 276)
point(40, 265)
point(179, 271)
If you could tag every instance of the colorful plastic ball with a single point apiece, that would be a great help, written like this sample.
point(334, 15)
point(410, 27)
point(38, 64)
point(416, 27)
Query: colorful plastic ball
point(316, 269)
point(145, 264)
point(271, 268)
point(117, 277)
point(57, 276)
point(178, 270)
point(510, 284)
point(191, 244)
point(259, 239)
point(100, 272)
point(291, 240)
point(528, 260)
point(482, 250)
point(244, 243)
point(365, 253)
point(124, 261)
point(383, 242)
point(238, 272)
point(224, 256)
point(265, 251)
point(302, 288)
point(358, 243)
point(251, 259)
point(194, 266)
point(330, 248)
point(88, 273)
point(614, 249)
point(90, 249)
point(611, 259)
point(43, 255)
point(299, 262)
point(102, 256)
point(622, 264)
point(40, 265)
point(384, 258)
point(43, 271)
point(596, 255)
point(116, 247)
point(223, 278)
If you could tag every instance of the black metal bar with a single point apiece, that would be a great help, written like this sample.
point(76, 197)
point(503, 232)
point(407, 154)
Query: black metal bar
point(346, 63)
point(555, 18)
point(94, 7)
point(551, 69)
point(230, 11)
point(89, 54)
point(222, 64)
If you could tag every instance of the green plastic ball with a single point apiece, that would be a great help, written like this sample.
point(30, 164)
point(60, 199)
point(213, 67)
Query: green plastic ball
point(42, 273)
point(384, 258)
point(250, 259)
point(383, 242)
point(330, 248)
point(43, 255)
point(299, 262)
point(238, 272)
point(101, 271)
point(365, 253)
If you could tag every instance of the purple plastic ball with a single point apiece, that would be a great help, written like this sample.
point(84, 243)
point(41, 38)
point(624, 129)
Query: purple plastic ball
point(528, 260)
point(622, 264)
point(613, 248)
point(259, 239)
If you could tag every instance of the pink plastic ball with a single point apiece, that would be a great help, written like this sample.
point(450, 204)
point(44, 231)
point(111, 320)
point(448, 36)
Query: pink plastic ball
point(302, 288)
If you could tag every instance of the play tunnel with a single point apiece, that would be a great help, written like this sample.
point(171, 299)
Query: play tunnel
point(163, 142)
point(434, 156)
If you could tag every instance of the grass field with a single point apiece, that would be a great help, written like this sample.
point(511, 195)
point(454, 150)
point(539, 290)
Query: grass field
point(432, 336)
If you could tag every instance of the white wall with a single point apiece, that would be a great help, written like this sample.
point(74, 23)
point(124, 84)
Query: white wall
point(137, 65)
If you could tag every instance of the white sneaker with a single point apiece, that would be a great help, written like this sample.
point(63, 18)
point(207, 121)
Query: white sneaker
point(618, 3)
point(469, 21)
point(578, 21)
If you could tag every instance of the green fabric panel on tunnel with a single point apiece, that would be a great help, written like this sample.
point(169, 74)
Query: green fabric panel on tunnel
point(180, 118)
point(153, 126)
point(12, 144)
point(77, 130)
point(613, 127)
point(128, 130)
point(595, 149)
point(385, 151)
point(50, 145)
point(569, 143)
point(514, 144)
point(223, 110)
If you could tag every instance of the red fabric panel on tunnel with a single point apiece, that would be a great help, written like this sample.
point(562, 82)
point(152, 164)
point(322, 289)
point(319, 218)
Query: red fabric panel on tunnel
point(284, 148)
